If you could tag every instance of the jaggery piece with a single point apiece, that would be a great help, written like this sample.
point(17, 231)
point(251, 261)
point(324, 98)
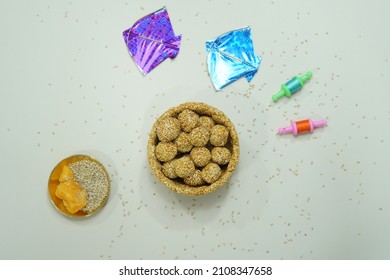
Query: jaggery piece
point(74, 197)
point(168, 129)
point(66, 174)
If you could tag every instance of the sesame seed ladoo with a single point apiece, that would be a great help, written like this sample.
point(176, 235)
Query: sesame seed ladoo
point(219, 135)
point(220, 155)
point(195, 180)
point(206, 122)
point(183, 142)
point(168, 129)
point(184, 167)
point(201, 156)
point(199, 136)
point(188, 120)
point(211, 172)
point(166, 151)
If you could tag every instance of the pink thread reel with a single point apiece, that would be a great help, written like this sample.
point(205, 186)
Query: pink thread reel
point(302, 126)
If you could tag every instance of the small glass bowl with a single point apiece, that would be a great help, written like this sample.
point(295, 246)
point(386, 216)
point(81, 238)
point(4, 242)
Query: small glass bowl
point(54, 181)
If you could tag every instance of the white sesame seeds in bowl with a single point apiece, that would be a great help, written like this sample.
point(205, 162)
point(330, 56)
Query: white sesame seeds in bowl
point(79, 186)
point(181, 145)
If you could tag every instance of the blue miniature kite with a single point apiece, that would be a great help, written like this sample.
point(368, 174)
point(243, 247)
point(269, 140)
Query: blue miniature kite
point(231, 56)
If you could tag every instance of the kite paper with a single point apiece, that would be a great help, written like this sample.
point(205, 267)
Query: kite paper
point(231, 56)
point(151, 40)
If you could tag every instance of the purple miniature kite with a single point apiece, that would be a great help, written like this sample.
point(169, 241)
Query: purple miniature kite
point(151, 40)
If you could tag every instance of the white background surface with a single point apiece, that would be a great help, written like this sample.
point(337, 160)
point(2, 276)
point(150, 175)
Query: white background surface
point(68, 86)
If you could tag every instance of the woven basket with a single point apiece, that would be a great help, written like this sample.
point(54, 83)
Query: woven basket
point(178, 185)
